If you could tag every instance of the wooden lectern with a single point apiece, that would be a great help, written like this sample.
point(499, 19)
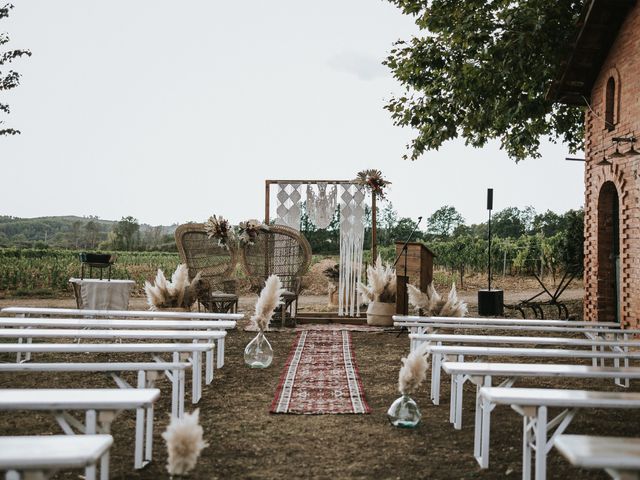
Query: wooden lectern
point(418, 260)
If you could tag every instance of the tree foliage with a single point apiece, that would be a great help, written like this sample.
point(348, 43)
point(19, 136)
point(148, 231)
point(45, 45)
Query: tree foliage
point(8, 78)
point(480, 71)
point(444, 221)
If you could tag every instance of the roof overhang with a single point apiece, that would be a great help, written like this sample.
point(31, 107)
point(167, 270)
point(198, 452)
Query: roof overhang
point(597, 29)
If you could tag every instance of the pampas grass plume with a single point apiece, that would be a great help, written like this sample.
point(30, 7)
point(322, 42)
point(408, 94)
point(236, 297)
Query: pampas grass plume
point(270, 297)
point(184, 443)
point(413, 371)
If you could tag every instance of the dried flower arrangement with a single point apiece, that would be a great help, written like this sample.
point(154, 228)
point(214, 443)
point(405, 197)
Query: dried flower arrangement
point(413, 371)
point(270, 297)
point(332, 273)
point(184, 438)
point(178, 293)
point(221, 229)
point(250, 229)
point(373, 180)
point(381, 285)
point(433, 304)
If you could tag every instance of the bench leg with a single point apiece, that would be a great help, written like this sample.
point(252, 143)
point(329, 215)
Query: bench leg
point(541, 444)
point(91, 427)
point(483, 425)
point(175, 392)
point(197, 377)
point(220, 353)
point(181, 394)
point(435, 380)
point(148, 450)
point(104, 466)
point(138, 461)
point(527, 440)
point(208, 366)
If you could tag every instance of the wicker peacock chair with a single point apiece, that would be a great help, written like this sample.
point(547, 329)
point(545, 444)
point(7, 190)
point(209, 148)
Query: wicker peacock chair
point(215, 264)
point(282, 251)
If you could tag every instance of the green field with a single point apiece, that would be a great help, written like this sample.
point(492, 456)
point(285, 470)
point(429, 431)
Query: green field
point(46, 272)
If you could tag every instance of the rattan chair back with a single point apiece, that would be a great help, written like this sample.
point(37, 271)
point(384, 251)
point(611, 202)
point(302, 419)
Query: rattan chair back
point(202, 254)
point(282, 251)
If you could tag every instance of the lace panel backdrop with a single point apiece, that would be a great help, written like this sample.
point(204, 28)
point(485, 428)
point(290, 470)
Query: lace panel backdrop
point(321, 206)
point(288, 208)
point(351, 247)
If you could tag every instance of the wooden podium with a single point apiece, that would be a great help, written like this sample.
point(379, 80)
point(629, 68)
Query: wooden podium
point(419, 262)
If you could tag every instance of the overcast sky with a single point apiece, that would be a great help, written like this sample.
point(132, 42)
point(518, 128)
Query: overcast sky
point(173, 111)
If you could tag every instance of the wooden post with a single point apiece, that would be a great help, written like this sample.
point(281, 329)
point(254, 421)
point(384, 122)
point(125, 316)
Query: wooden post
point(267, 191)
point(374, 246)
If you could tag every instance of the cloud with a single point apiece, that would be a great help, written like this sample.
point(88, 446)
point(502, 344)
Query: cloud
point(363, 66)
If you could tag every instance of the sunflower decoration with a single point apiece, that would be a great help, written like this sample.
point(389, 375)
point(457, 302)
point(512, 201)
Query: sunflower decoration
point(373, 180)
point(249, 231)
point(219, 228)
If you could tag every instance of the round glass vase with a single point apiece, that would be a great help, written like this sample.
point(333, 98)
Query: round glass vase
point(404, 413)
point(258, 352)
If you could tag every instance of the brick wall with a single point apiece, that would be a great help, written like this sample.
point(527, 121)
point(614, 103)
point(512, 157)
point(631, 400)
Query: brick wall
point(604, 183)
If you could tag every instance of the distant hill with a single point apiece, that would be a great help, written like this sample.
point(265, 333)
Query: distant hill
point(77, 232)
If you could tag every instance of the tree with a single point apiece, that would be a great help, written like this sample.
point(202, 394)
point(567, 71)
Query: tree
point(512, 222)
point(125, 233)
point(8, 79)
point(481, 71)
point(444, 221)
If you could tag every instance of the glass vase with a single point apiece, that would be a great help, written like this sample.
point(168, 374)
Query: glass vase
point(404, 413)
point(258, 352)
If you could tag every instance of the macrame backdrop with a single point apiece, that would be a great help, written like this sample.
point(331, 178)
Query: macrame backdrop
point(288, 209)
point(351, 246)
point(321, 206)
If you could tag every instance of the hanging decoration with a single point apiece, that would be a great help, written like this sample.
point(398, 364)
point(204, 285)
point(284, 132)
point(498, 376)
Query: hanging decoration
point(373, 180)
point(351, 247)
point(321, 207)
point(288, 209)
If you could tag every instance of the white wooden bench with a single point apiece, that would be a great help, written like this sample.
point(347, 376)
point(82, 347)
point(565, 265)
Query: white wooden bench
point(121, 313)
point(481, 374)
point(618, 345)
point(618, 456)
point(175, 372)
point(500, 321)
point(589, 332)
point(101, 406)
point(193, 349)
point(224, 321)
point(458, 353)
point(533, 405)
point(40, 457)
point(117, 335)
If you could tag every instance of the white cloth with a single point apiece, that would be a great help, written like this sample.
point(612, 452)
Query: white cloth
point(104, 294)
point(351, 247)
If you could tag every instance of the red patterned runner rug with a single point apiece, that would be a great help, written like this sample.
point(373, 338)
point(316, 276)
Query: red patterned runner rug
point(320, 376)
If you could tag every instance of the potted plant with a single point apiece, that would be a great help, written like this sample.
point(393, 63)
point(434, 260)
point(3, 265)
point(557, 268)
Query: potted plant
point(379, 293)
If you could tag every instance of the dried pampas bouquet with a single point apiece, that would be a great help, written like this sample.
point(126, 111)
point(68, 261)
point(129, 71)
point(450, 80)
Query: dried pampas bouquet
point(381, 285)
point(184, 438)
point(258, 352)
point(404, 411)
point(433, 305)
point(270, 297)
point(220, 229)
point(178, 293)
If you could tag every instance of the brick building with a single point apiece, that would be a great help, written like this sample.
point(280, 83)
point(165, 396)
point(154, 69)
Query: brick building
point(603, 74)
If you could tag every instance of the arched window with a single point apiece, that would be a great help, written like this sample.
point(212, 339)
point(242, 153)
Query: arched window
point(610, 104)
